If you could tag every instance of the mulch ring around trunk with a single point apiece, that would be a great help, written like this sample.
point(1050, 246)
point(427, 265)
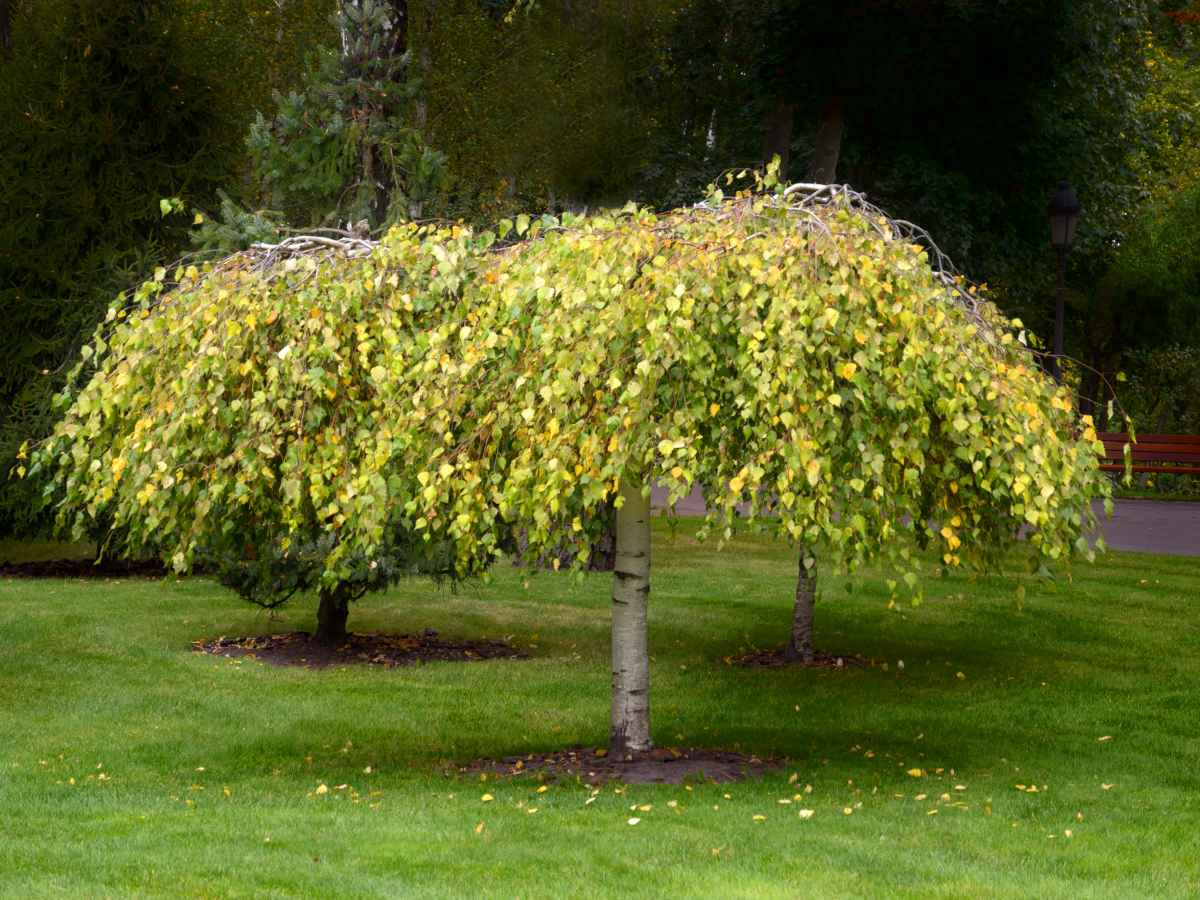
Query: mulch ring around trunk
point(296, 648)
point(776, 659)
point(84, 568)
point(595, 766)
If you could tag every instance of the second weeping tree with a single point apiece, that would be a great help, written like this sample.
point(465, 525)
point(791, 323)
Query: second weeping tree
point(790, 351)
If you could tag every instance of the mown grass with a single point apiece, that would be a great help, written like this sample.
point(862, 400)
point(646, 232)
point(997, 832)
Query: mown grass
point(211, 767)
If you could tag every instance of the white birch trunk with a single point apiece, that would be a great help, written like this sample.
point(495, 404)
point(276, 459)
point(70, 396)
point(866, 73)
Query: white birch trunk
point(630, 731)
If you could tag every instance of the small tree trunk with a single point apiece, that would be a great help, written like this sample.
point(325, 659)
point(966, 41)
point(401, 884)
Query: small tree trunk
point(800, 647)
point(332, 613)
point(823, 168)
point(630, 732)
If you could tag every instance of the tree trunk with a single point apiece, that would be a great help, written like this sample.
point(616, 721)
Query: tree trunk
point(800, 647)
point(1089, 389)
point(5, 29)
point(828, 145)
point(332, 613)
point(630, 731)
point(777, 135)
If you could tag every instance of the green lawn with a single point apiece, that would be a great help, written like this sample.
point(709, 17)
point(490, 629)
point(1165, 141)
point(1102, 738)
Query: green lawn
point(197, 776)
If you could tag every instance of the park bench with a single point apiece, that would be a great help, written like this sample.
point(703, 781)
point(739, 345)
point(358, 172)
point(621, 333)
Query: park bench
point(1175, 454)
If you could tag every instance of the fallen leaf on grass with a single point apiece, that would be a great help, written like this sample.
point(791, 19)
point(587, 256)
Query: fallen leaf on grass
point(322, 789)
point(1107, 787)
point(479, 828)
point(486, 798)
point(806, 813)
point(543, 789)
point(1101, 740)
point(915, 773)
point(760, 818)
point(633, 821)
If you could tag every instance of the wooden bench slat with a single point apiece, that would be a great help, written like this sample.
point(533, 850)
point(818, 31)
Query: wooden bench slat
point(1141, 452)
point(1121, 437)
point(1157, 446)
point(1153, 470)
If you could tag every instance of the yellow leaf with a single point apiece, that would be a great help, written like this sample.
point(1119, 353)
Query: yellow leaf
point(543, 789)
point(486, 798)
point(760, 818)
point(847, 370)
point(813, 471)
point(633, 821)
point(916, 773)
point(714, 409)
point(806, 813)
point(479, 828)
point(322, 789)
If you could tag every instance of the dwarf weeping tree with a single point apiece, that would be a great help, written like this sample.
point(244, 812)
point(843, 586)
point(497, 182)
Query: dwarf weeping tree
point(237, 416)
point(803, 358)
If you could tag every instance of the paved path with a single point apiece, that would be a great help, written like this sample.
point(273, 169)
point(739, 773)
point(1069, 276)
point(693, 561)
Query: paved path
point(1153, 526)
point(1147, 526)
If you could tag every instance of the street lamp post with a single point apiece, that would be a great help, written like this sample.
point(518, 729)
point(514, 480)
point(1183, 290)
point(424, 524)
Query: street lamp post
point(1064, 212)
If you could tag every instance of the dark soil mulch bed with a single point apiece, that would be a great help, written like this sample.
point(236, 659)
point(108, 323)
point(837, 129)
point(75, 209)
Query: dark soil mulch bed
point(659, 766)
point(84, 568)
point(775, 659)
point(296, 648)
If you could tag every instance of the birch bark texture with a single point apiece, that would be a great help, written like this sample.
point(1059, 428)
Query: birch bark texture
point(800, 646)
point(630, 731)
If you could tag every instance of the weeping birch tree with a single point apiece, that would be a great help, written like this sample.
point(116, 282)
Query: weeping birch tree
point(790, 351)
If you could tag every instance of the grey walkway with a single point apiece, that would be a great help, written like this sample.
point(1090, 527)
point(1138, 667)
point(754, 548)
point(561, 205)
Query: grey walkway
point(1147, 526)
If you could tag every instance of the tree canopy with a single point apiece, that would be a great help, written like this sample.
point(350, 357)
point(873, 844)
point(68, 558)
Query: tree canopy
point(791, 350)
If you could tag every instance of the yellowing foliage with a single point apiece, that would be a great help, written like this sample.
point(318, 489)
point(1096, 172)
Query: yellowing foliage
point(809, 364)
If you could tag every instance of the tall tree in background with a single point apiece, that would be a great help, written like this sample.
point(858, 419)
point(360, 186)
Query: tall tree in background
point(344, 148)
